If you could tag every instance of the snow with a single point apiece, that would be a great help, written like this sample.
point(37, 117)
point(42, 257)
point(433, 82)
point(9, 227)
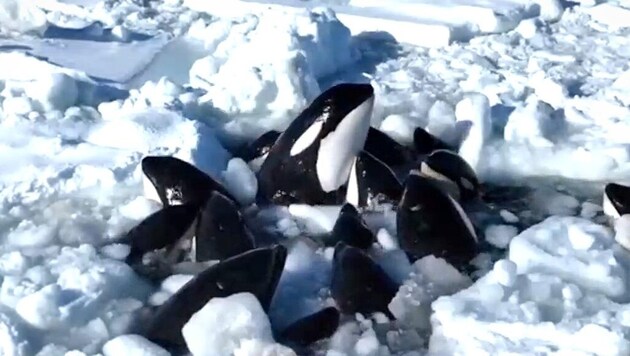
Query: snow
point(540, 301)
point(531, 93)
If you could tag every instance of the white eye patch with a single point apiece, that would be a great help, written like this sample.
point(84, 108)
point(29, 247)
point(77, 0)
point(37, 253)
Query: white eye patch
point(307, 138)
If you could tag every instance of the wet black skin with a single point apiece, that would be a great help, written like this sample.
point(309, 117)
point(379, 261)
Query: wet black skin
point(187, 182)
point(359, 285)
point(256, 271)
point(428, 223)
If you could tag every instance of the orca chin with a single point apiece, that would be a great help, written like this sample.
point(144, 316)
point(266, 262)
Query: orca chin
point(175, 181)
point(312, 158)
point(616, 201)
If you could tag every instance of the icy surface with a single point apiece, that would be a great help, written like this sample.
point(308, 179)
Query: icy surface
point(561, 286)
point(89, 87)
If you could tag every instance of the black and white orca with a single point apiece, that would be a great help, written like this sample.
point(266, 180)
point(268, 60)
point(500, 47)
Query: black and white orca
point(371, 182)
point(359, 285)
point(616, 201)
point(453, 173)
point(161, 229)
point(351, 229)
point(312, 328)
point(257, 271)
point(173, 181)
point(425, 143)
point(312, 159)
point(221, 232)
point(387, 150)
point(430, 222)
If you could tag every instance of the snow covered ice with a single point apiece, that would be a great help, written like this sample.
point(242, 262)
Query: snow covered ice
point(535, 95)
point(562, 287)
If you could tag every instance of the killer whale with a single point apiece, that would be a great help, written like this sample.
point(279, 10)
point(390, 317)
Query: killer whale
point(173, 181)
point(430, 222)
point(312, 158)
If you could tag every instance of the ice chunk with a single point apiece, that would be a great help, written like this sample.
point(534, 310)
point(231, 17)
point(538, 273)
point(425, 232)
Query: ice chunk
point(240, 181)
point(508, 216)
point(256, 347)
point(55, 91)
point(399, 128)
point(318, 219)
point(505, 272)
point(132, 345)
point(42, 308)
point(22, 16)
point(590, 210)
point(500, 235)
point(223, 324)
point(474, 126)
point(550, 10)
point(431, 277)
point(386, 240)
point(622, 231)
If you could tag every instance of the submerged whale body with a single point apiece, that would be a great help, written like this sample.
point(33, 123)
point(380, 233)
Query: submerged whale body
point(257, 271)
point(430, 222)
point(351, 229)
point(312, 328)
point(175, 181)
point(371, 182)
point(311, 160)
point(359, 285)
point(220, 231)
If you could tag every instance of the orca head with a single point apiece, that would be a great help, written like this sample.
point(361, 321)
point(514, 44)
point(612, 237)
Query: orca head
point(351, 229)
point(256, 271)
point(371, 182)
point(425, 143)
point(430, 221)
point(616, 200)
point(360, 285)
point(382, 146)
point(337, 123)
point(173, 181)
point(452, 170)
point(161, 229)
point(220, 231)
